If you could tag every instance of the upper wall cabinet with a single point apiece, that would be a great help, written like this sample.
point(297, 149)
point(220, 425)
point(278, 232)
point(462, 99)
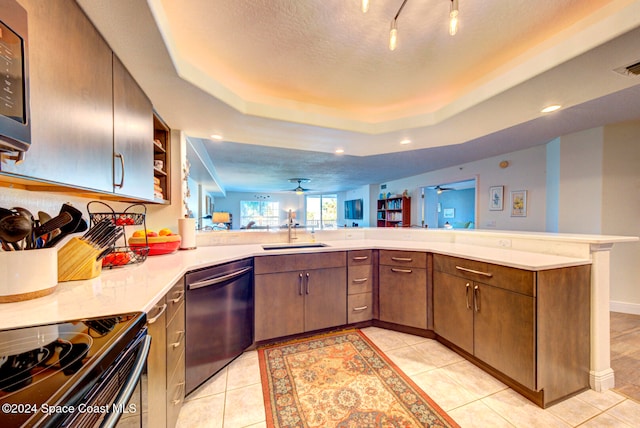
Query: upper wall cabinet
point(71, 99)
point(132, 136)
point(92, 125)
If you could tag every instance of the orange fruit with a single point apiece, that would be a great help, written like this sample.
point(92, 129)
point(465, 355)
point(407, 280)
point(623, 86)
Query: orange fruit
point(164, 232)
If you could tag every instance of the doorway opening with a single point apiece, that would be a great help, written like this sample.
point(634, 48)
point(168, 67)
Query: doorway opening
point(450, 205)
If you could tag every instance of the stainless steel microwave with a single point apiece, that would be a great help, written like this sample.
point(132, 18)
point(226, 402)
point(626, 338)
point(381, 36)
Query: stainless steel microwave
point(15, 121)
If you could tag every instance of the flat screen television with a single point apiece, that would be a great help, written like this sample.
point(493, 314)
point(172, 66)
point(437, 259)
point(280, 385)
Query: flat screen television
point(353, 209)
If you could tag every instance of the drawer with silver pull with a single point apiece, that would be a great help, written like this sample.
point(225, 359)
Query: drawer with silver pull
point(403, 258)
point(359, 307)
point(359, 257)
point(513, 279)
point(359, 279)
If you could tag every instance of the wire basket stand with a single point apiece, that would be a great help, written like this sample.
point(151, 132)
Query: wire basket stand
point(133, 215)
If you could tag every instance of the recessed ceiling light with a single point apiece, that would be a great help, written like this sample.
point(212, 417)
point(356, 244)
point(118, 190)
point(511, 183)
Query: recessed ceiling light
point(405, 142)
point(551, 108)
point(339, 151)
point(216, 137)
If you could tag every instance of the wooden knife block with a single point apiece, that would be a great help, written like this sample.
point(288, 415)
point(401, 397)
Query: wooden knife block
point(77, 260)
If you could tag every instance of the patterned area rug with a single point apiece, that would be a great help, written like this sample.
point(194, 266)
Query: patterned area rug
point(341, 380)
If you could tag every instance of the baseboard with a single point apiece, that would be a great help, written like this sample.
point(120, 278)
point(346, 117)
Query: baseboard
point(624, 307)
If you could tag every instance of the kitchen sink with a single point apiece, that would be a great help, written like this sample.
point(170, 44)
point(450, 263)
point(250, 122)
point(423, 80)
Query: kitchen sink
point(285, 246)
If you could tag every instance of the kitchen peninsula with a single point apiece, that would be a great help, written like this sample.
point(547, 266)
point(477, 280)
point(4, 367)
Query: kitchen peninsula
point(137, 288)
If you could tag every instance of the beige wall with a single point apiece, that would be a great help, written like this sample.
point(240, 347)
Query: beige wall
point(621, 211)
point(580, 186)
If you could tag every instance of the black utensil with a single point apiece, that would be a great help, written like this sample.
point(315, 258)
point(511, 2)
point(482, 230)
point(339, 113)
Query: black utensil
point(53, 224)
point(14, 229)
point(77, 224)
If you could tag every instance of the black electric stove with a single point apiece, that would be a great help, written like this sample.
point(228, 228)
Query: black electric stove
point(51, 375)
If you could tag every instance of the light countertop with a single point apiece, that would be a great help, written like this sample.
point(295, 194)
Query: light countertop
point(138, 287)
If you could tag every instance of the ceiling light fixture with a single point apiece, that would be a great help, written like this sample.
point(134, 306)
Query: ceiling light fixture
point(393, 32)
point(551, 108)
point(405, 142)
point(339, 151)
point(453, 17)
point(216, 137)
point(365, 6)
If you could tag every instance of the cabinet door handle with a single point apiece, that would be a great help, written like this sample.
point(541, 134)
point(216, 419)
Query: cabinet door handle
point(476, 298)
point(477, 272)
point(179, 296)
point(300, 284)
point(359, 258)
point(174, 345)
point(158, 315)
point(467, 295)
point(360, 280)
point(402, 259)
point(401, 270)
point(361, 308)
point(307, 282)
point(180, 393)
point(121, 156)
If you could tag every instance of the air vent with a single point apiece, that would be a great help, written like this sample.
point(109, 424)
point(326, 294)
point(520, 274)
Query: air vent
point(629, 70)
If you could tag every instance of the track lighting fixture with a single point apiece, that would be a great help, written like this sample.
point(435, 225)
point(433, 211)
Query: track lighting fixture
point(393, 32)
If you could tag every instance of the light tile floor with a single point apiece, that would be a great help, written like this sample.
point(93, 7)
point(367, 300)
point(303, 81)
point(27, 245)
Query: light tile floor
point(233, 397)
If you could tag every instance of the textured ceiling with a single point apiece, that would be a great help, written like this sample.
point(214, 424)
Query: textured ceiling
point(286, 82)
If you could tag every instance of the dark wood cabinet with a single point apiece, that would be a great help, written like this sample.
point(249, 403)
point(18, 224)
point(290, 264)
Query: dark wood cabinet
point(360, 281)
point(403, 288)
point(165, 364)
point(71, 99)
point(299, 293)
point(91, 124)
point(532, 327)
point(132, 131)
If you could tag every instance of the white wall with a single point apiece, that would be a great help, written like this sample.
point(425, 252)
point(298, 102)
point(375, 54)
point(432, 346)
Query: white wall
point(553, 185)
point(526, 171)
point(359, 193)
point(580, 195)
point(621, 211)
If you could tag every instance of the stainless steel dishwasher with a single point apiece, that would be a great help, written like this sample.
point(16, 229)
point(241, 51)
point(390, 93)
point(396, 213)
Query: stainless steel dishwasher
point(219, 311)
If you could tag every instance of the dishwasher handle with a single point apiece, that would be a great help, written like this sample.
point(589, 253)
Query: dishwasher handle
point(219, 279)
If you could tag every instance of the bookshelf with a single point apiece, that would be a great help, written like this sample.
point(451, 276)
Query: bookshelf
point(394, 212)
point(161, 153)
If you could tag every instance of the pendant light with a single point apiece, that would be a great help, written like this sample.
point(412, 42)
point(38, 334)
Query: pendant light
point(453, 17)
point(393, 32)
point(365, 6)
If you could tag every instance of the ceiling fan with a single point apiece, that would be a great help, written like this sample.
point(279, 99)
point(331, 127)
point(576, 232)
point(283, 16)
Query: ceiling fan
point(440, 189)
point(299, 190)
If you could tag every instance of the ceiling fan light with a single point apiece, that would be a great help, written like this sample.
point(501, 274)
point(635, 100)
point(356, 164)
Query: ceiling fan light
point(393, 35)
point(453, 18)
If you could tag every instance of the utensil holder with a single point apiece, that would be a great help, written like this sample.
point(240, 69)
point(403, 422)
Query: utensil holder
point(28, 274)
point(77, 260)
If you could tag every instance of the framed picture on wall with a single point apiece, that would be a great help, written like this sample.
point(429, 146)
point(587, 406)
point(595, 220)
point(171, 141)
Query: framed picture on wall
point(496, 196)
point(519, 203)
point(449, 213)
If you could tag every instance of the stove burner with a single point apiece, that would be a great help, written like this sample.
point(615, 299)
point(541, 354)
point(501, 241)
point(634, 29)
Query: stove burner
point(15, 371)
point(64, 354)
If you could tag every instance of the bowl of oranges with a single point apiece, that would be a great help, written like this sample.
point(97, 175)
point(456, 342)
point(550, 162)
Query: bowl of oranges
point(161, 242)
